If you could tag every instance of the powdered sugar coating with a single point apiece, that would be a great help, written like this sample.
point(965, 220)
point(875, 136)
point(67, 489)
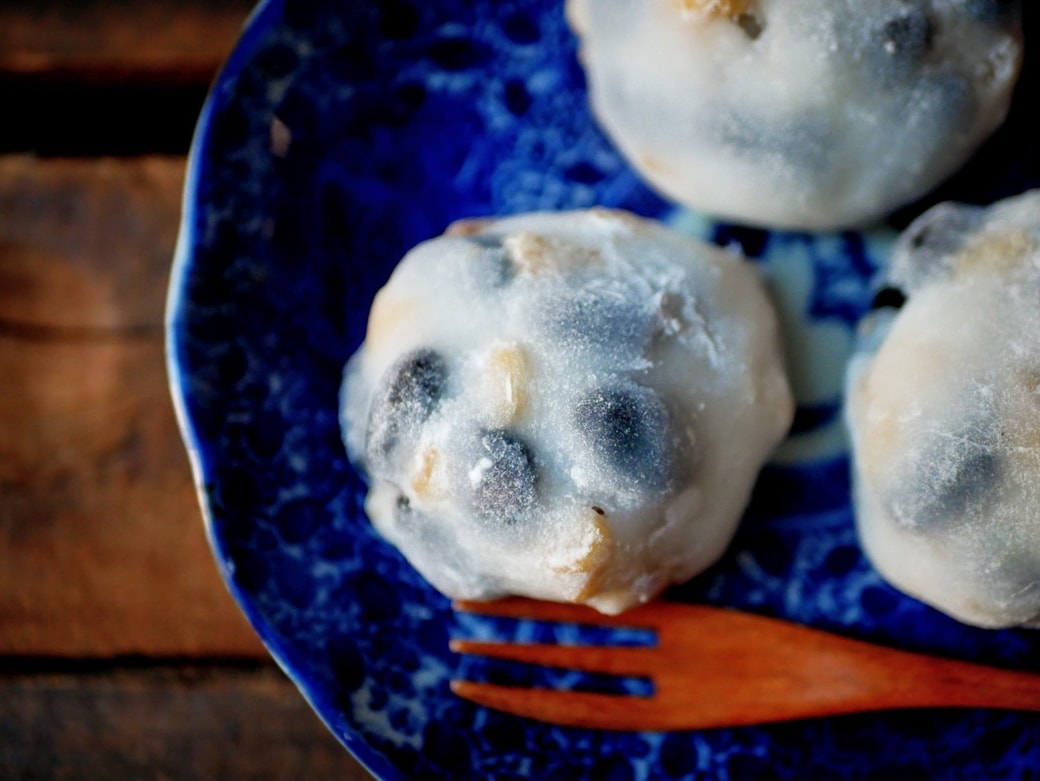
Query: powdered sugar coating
point(798, 113)
point(944, 410)
point(579, 403)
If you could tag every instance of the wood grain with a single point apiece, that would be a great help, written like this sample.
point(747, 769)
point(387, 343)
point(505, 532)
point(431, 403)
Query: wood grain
point(121, 653)
point(169, 724)
point(102, 550)
point(92, 42)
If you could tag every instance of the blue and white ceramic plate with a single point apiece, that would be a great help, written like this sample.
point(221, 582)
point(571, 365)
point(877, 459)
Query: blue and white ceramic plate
point(341, 133)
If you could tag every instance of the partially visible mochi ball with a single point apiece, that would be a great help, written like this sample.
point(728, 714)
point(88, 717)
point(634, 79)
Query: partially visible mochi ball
point(808, 114)
point(944, 412)
point(569, 406)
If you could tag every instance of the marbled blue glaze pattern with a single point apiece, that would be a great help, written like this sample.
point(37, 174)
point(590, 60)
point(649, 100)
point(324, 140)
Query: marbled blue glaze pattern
point(403, 116)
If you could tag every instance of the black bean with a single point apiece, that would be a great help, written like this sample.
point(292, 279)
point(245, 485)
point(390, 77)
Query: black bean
point(805, 141)
point(888, 297)
point(418, 380)
point(947, 503)
point(751, 25)
point(942, 488)
point(901, 44)
point(976, 474)
point(504, 478)
point(907, 36)
point(495, 267)
point(597, 317)
point(486, 240)
point(409, 393)
point(626, 427)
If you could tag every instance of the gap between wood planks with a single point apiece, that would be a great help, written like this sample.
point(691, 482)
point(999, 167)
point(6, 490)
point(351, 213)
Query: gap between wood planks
point(165, 723)
point(88, 77)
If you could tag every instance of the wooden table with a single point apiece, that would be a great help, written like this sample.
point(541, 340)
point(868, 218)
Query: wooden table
point(122, 656)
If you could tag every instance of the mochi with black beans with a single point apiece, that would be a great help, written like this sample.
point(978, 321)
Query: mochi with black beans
point(570, 406)
point(944, 412)
point(807, 114)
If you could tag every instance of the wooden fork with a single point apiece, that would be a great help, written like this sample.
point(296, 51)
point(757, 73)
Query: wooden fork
point(715, 667)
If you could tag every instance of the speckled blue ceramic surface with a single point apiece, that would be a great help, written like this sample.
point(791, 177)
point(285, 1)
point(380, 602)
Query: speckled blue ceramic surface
point(340, 134)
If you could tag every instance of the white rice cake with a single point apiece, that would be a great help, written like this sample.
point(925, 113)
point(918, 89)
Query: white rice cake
point(944, 412)
point(570, 406)
point(813, 114)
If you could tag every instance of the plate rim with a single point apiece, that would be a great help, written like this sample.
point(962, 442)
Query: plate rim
point(182, 265)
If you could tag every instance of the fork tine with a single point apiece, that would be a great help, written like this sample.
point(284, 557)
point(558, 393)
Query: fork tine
point(611, 660)
point(568, 708)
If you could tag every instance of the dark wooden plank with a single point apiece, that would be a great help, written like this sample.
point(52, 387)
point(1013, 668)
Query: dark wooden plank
point(93, 77)
point(142, 41)
point(102, 549)
point(165, 724)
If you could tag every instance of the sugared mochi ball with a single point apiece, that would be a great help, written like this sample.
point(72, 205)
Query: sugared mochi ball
point(944, 412)
point(811, 114)
point(570, 406)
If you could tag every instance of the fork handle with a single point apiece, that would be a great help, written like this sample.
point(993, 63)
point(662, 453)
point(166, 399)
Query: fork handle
point(908, 680)
point(810, 672)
